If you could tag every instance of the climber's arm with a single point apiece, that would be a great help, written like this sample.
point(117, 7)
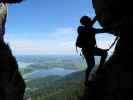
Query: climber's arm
point(97, 31)
point(110, 30)
point(94, 20)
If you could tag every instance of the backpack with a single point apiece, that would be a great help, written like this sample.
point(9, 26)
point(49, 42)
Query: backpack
point(78, 42)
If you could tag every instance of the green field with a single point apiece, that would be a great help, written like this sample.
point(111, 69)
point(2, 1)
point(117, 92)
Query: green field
point(69, 87)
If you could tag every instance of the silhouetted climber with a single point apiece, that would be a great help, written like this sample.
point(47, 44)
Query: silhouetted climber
point(86, 40)
point(115, 81)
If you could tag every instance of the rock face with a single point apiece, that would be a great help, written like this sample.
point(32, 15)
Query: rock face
point(115, 80)
point(12, 85)
point(108, 9)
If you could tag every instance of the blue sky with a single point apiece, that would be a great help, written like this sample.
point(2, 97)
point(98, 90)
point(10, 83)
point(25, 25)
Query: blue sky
point(47, 26)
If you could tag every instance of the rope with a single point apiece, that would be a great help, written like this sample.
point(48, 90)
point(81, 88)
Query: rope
point(113, 43)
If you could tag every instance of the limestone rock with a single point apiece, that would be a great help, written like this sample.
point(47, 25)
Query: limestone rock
point(12, 85)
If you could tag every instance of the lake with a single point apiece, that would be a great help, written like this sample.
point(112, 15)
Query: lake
point(23, 64)
point(48, 72)
point(58, 65)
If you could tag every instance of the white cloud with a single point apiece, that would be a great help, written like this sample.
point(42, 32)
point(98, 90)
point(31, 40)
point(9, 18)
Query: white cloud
point(63, 34)
point(59, 42)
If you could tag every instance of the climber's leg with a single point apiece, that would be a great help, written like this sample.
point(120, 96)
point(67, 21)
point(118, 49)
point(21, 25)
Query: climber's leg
point(90, 63)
